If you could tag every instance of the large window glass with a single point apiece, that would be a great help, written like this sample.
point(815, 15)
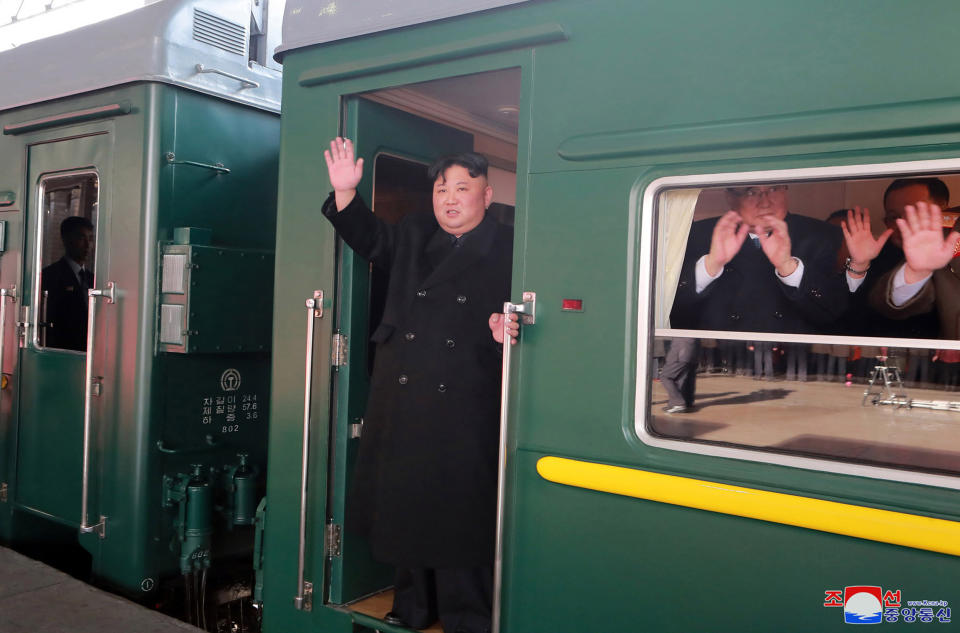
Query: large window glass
point(795, 316)
point(65, 258)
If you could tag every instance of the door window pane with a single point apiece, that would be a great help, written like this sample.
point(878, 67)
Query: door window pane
point(66, 257)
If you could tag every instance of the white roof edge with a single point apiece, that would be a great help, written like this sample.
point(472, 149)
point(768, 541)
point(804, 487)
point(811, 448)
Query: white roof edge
point(311, 22)
point(155, 43)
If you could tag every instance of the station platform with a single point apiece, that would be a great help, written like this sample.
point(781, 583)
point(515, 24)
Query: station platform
point(35, 598)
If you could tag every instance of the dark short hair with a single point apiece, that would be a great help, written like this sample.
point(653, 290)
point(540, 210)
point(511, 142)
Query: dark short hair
point(475, 164)
point(839, 213)
point(937, 190)
point(73, 224)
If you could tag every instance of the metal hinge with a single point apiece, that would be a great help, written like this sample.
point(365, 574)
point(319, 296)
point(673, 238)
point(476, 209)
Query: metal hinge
point(3, 493)
point(356, 428)
point(338, 350)
point(23, 325)
point(332, 540)
point(307, 596)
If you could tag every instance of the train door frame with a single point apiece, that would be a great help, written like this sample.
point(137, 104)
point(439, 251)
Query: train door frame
point(314, 86)
point(349, 114)
point(371, 126)
point(87, 150)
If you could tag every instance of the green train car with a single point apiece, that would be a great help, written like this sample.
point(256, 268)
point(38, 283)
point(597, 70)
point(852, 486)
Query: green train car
point(613, 126)
point(136, 389)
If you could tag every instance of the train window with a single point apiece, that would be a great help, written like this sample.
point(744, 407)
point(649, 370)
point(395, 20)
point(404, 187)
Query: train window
point(793, 319)
point(65, 258)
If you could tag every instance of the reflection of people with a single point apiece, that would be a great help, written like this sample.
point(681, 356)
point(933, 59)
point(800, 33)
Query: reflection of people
point(66, 282)
point(426, 479)
point(679, 375)
point(758, 268)
point(927, 281)
point(879, 259)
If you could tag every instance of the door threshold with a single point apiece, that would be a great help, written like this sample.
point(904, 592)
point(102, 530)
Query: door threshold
point(370, 611)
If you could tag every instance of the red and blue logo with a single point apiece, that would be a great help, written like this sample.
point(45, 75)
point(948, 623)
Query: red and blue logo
point(862, 605)
point(870, 604)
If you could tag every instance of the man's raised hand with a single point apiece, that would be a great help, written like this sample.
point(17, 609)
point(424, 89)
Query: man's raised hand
point(774, 239)
point(344, 171)
point(924, 245)
point(728, 236)
point(861, 245)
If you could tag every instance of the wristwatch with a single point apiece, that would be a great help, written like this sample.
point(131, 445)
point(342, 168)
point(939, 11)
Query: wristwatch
point(855, 272)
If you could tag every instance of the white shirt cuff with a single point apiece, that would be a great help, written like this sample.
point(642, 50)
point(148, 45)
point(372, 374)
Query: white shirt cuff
point(902, 291)
point(853, 283)
point(704, 278)
point(793, 279)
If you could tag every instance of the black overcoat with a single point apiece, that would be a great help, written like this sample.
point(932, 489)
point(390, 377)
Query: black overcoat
point(426, 480)
point(749, 297)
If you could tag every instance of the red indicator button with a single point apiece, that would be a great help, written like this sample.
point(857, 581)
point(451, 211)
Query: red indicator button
point(572, 305)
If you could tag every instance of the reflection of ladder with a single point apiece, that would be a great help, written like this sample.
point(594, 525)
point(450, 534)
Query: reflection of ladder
point(892, 391)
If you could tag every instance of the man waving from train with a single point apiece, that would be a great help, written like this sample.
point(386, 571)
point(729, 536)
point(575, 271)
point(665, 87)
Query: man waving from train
point(758, 268)
point(426, 479)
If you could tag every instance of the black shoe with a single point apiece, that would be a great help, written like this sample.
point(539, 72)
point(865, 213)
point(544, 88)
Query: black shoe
point(678, 408)
point(394, 620)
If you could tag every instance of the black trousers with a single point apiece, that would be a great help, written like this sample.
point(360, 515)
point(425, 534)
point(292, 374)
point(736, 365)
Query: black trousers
point(461, 597)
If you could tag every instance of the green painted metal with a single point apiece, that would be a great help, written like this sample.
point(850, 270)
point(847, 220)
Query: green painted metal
point(213, 319)
point(69, 118)
point(157, 413)
point(639, 90)
point(52, 380)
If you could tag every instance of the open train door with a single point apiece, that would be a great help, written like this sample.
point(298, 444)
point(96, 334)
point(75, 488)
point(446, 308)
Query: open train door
point(55, 473)
point(397, 149)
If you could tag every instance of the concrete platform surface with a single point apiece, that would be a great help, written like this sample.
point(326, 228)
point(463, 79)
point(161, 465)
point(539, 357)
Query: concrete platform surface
point(35, 598)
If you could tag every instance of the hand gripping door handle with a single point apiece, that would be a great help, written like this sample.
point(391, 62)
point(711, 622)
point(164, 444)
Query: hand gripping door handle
point(303, 599)
point(527, 314)
point(110, 295)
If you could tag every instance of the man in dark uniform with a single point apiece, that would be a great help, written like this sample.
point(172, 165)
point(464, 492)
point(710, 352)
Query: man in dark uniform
point(759, 269)
point(426, 480)
point(66, 282)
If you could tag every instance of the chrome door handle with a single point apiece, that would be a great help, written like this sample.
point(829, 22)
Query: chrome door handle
point(244, 82)
point(302, 600)
point(526, 313)
point(110, 294)
point(5, 293)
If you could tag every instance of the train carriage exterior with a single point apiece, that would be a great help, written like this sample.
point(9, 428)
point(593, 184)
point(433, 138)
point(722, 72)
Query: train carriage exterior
point(143, 444)
point(614, 518)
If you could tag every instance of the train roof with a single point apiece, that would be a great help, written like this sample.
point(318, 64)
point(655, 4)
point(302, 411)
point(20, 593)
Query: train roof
point(199, 44)
point(309, 22)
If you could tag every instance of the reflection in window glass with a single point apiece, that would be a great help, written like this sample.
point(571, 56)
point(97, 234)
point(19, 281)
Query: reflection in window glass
point(813, 368)
point(67, 254)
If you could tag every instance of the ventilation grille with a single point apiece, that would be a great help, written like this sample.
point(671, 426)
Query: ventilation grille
point(215, 31)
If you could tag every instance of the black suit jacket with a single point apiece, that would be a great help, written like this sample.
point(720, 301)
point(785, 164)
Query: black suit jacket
point(66, 306)
point(748, 296)
point(426, 479)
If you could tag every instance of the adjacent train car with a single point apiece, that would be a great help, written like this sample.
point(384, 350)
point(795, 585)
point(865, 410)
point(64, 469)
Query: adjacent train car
point(615, 124)
point(135, 394)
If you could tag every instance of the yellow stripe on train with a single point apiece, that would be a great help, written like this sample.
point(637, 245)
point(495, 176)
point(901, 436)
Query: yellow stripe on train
point(909, 530)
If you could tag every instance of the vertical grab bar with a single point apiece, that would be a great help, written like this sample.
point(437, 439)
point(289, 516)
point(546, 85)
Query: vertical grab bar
point(5, 293)
point(110, 294)
point(527, 312)
point(303, 600)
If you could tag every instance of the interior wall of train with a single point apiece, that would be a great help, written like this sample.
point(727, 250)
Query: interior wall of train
point(632, 121)
point(138, 175)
